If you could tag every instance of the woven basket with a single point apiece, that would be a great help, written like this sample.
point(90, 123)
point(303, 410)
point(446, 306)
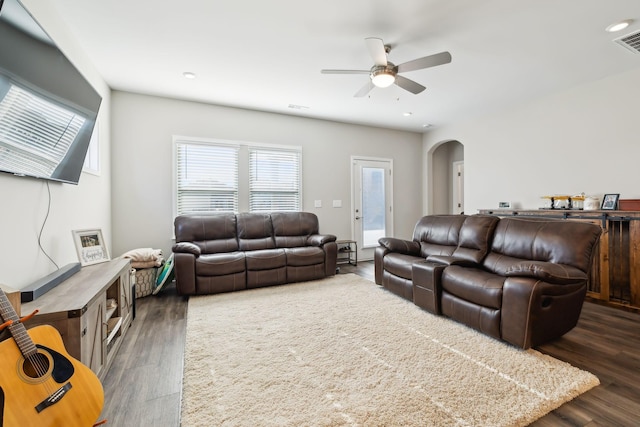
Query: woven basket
point(145, 281)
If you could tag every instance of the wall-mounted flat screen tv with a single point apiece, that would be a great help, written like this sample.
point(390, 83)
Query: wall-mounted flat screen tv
point(47, 108)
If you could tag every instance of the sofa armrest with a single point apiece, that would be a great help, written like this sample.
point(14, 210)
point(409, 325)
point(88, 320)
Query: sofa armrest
point(320, 239)
point(427, 285)
point(534, 312)
point(330, 258)
point(407, 247)
point(187, 248)
point(549, 272)
point(452, 260)
point(378, 262)
point(184, 266)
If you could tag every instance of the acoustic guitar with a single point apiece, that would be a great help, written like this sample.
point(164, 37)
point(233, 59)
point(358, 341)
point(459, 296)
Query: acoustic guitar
point(40, 383)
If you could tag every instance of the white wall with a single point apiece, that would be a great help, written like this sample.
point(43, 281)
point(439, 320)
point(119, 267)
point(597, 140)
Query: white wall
point(25, 200)
point(582, 140)
point(142, 157)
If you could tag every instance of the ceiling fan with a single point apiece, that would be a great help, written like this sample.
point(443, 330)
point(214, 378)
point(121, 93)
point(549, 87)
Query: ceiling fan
point(385, 73)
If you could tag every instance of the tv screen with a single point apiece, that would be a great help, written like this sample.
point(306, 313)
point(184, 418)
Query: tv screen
point(47, 108)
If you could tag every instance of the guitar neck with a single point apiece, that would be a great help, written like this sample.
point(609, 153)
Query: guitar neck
point(17, 329)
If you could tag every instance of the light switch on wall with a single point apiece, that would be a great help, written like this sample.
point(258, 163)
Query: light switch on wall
point(317, 203)
point(337, 203)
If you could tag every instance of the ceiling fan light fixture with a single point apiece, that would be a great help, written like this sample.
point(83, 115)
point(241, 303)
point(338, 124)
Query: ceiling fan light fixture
point(383, 79)
point(383, 76)
point(384, 73)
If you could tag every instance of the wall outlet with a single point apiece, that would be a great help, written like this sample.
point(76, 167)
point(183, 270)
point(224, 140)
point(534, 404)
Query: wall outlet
point(317, 203)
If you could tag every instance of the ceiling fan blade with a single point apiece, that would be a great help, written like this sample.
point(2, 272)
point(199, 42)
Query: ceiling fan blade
point(426, 62)
point(409, 85)
point(364, 90)
point(377, 50)
point(344, 71)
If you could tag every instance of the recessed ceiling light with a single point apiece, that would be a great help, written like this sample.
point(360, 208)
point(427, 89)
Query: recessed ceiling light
point(427, 125)
point(618, 26)
point(189, 75)
point(407, 114)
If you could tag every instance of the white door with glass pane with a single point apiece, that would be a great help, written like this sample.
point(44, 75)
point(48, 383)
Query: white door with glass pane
point(372, 212)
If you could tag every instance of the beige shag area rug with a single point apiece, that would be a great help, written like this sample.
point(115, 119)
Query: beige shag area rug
point(345, 352)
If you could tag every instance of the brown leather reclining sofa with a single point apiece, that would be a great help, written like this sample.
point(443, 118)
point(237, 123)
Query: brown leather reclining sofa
point(229, 252)
point(516, 279)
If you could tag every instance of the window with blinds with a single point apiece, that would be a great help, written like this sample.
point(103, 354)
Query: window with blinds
point(234, 177)
point(207, 178)
point(274, 180)
point(36, 134)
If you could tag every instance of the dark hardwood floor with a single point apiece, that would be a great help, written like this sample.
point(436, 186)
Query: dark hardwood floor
point(143, 386)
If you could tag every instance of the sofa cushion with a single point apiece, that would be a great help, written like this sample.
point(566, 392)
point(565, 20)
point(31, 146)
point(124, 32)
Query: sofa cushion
point(400, 264)
point(265, 259)
point(438, 234)
point(220, 264)
point(291, 229)
point(556, 241)
point(474, 285)
point(476, 235)
point(307, 255)
point(255, 232)
point(211, 233)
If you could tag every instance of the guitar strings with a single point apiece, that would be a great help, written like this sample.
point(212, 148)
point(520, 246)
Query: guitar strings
point(37, 361)
point(23, 339)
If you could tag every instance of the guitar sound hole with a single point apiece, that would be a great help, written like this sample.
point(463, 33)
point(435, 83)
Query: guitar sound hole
point(36, 366)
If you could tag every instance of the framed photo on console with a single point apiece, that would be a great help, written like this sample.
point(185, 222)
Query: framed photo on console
point(90, 246)
point(610, 202)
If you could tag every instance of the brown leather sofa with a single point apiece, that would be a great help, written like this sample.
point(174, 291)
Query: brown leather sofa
point(516, 279)
point(229, 252)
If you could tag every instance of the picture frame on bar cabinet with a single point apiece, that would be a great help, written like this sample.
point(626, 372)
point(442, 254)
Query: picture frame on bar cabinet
point(610, 202)
point(90, 246)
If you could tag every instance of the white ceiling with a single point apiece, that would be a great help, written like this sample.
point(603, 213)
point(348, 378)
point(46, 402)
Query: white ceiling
point(267, 54)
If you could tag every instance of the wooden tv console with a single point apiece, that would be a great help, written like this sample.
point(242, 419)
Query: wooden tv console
point(91, 328)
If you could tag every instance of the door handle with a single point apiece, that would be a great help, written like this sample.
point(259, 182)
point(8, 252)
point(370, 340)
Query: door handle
point(358, 217)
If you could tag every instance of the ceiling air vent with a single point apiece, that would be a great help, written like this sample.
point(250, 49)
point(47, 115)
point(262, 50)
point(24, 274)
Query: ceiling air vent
point(630, 41)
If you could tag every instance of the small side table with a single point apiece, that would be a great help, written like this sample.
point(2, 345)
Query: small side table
point(347, 252)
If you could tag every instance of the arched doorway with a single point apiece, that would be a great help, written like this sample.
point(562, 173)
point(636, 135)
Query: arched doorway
point(446, 176)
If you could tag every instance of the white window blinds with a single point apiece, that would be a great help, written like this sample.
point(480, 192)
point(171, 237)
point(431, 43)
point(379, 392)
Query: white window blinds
point(227, 176)
point(274, 179)
point(207, 178)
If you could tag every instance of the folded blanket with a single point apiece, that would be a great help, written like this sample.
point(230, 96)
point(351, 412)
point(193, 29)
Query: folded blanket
point(145, 257)
point(144, 264)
